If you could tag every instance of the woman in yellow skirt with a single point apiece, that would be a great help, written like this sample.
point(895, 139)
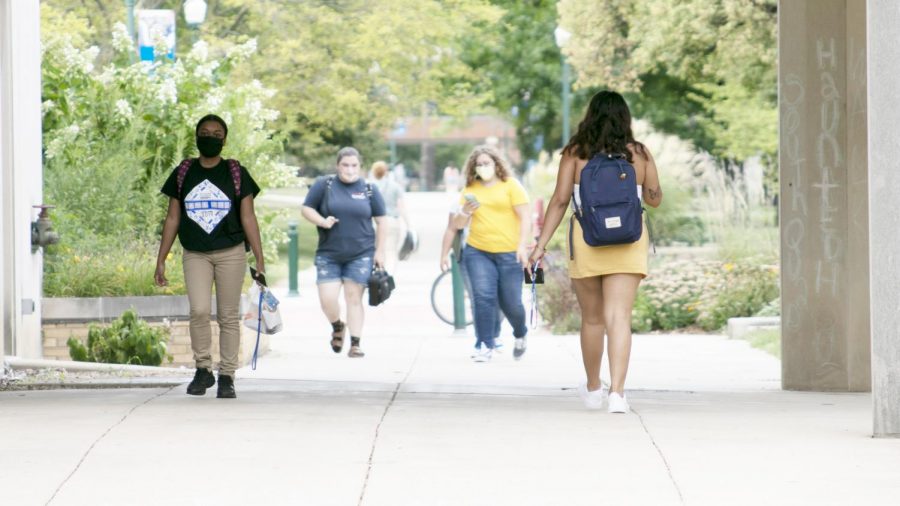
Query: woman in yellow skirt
point(605, 278)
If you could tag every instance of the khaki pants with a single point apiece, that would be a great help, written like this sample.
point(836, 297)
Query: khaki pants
point(226, 267)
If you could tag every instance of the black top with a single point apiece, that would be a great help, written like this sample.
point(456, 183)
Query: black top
point(354, 235)
point(210, 210)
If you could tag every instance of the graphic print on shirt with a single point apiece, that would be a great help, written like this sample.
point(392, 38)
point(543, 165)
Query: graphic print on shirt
point(207, 205)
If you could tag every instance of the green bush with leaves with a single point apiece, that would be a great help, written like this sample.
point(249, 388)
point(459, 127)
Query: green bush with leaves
point(114, 133)
point(741, 289)
point(557, 302)
point(127, 340)
point(678, 294)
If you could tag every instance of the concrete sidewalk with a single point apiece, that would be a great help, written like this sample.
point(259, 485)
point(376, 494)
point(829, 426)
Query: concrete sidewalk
point(416, 422)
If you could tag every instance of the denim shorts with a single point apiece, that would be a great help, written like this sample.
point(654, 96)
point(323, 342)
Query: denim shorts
point(357, 270)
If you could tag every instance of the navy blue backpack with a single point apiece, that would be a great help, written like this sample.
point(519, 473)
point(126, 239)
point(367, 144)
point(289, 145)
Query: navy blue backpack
point(610, 208)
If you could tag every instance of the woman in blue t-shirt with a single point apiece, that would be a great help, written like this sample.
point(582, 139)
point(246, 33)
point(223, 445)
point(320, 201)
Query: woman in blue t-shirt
point(342, 206)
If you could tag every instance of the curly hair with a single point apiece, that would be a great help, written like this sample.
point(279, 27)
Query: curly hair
point(501, 167)
point(606, 128)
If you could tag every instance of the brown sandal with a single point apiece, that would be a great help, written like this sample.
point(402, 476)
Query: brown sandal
point(337, 336)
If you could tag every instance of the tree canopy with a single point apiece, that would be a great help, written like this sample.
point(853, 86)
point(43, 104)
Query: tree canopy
point(704, 70)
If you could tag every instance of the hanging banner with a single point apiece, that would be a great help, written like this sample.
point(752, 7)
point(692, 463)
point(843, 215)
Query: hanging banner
point(153, 25)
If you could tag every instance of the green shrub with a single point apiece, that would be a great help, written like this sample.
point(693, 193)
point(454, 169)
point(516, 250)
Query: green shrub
point(127, 340)
point(114, 131)
point(739, 290)
point(109, 269)
point(678, 293)
point(558, 305)
point(669, 298)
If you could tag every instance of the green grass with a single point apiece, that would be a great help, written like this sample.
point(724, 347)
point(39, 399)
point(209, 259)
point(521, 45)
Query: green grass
point(766, 340)
point(307, 237)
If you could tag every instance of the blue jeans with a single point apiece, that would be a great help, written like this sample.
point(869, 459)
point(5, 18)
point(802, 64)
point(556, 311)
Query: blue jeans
point(496, 280)
point(468, 284)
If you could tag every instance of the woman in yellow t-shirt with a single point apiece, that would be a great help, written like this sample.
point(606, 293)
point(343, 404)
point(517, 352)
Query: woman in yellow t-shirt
point(495, 207)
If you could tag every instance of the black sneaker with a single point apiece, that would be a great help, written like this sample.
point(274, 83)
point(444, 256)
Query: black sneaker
point(203, 379)
point(226, 387)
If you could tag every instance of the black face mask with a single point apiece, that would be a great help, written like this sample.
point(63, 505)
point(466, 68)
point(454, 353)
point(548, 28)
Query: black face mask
point(210, 147)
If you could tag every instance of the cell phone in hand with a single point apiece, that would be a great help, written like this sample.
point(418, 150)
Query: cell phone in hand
point(258, 277)
point(538, 276)
point(470, 198)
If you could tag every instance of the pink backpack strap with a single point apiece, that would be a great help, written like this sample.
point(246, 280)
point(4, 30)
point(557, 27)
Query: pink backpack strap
point(182, 172)
point(235, 167)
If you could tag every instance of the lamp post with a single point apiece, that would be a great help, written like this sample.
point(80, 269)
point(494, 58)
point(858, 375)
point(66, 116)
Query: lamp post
point(129, 9)
point(194, 15)
point(562, 38)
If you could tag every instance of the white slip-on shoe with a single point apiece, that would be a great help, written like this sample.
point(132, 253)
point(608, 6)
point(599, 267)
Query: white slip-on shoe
point(591, 399)
point(618, 403)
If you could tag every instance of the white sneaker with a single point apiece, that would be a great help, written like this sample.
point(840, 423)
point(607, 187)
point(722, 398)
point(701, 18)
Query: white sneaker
point(483, 355)
point(498, 345)
point(592, 399)
point(617, 403)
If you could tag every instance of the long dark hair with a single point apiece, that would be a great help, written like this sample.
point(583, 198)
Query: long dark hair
point(606, 128)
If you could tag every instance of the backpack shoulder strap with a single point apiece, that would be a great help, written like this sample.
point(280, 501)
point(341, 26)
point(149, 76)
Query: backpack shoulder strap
point(369, 193)
point(235, 168)
point(329, 180)
point(182, 172)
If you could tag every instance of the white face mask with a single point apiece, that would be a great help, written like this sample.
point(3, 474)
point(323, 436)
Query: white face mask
point(485, 172)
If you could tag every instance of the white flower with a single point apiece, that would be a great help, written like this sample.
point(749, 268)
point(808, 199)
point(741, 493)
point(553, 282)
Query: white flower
point(123, 109)
point(121, 41)
point(206, 71)
point(200, 51)
point(269, 114)
point(168, 92)
point(214, 99)
point(78, 61)
point(47, 105)
point(63, 138)
point(242, 51)
point(160, 46)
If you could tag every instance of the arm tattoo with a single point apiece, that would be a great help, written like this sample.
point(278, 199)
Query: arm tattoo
point(654, 193)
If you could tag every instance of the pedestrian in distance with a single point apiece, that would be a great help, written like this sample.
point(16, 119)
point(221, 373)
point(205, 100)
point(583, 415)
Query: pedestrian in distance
point(605, 278)
point(211, 211)
point(343, 206)
point(495, 208)
point(396, 218)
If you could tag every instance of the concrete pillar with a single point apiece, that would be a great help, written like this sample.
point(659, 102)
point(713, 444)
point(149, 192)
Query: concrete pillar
point(884, 210)
point(822, 156)
point(21, 176)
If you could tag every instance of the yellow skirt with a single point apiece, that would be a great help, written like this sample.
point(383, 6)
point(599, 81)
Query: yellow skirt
point(589, 261)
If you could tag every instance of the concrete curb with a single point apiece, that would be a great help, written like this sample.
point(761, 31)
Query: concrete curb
point(16, 363)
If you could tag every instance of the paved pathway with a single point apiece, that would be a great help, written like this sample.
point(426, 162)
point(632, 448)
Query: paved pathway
point(417, 423)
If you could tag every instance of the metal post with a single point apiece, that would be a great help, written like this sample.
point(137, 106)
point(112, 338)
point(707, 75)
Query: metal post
point(393, 151)
point(129, 9)
point(566, 77)
point(459, 302)
point(292, 260)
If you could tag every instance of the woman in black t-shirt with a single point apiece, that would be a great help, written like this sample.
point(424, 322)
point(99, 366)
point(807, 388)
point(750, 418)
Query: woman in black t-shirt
point(342, 206)
point(211, 210)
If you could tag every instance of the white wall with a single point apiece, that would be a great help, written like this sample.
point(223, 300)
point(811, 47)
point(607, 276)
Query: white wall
point(22, 173)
